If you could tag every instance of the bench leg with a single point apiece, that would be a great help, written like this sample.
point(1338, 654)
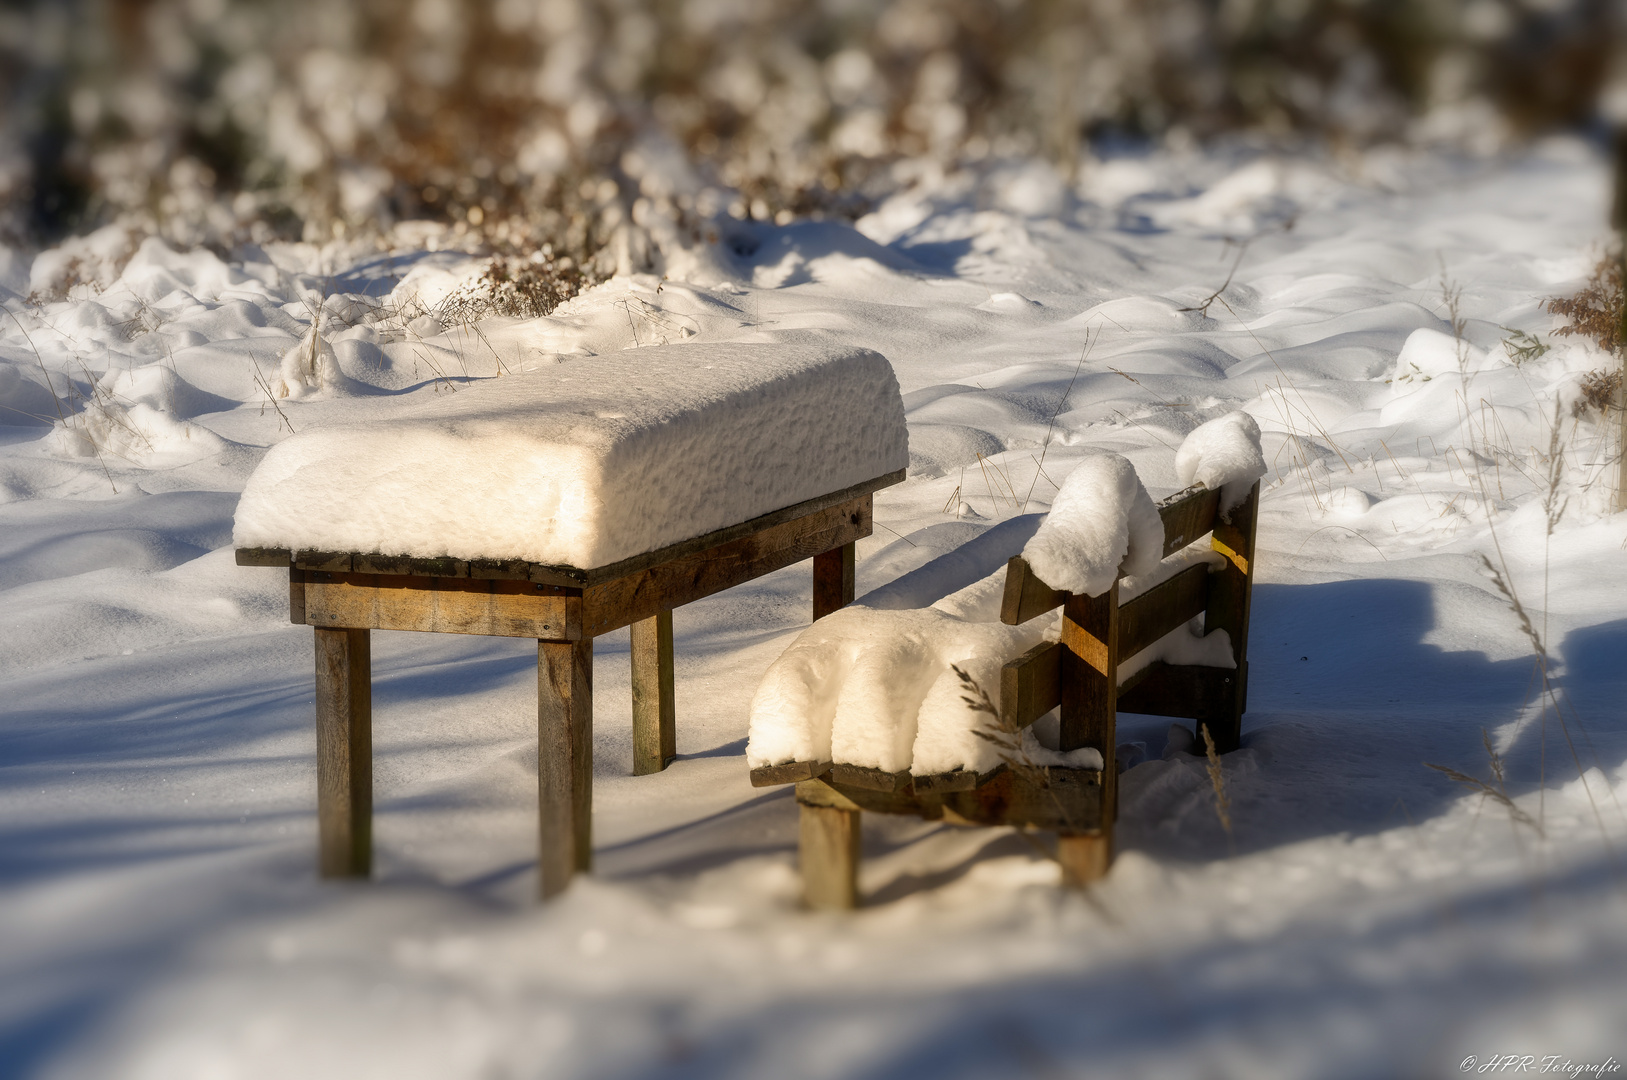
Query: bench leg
point(828, 848)
point(832, 581)
point(1085, 857)
point(1228, 610)
point(564, 761)
point(344, 752)
point(1089, 713)
point(655, 729)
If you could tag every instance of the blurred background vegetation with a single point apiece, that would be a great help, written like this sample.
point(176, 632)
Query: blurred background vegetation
point(523, 121)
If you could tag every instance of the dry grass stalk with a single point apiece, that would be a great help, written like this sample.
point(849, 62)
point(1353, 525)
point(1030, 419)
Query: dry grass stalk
point(1496, 790)
point(1217, 780)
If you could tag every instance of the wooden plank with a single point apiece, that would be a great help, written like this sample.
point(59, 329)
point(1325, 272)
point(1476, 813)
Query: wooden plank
point(296, 596)
point(613, 604)
point(1187, 516)
point(403, 565)
point(264, 557)
point(832, 581)
point(1162, 608)
point(1026, 596)
point(1230, 593)
point(1205, 694)
point(958, 780)
point(344, 752)
point(655, 723)
point(323, 560)
point(1090, 639)
point(788, 773)
point(1054, 799)
point(440, 605)
point(1085, 857)
point(828, 853)
point(1068, 800)
point(869, 779)
point(1031, 685)
point(564, 762)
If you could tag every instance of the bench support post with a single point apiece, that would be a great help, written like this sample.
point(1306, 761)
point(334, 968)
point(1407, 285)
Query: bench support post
point(655, 727)
point(1090, 689)
point(344, 752)
point(1228, 610)
point(832, 581)
point(828, 849)
point(564, 761)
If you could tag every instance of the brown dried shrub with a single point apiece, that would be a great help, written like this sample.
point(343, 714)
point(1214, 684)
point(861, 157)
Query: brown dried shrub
point(1599, 389)
point(1595, 311)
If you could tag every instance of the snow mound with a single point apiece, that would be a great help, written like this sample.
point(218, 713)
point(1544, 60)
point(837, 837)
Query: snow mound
point(1102, 524)
point(587, 461)
point(1225, 454)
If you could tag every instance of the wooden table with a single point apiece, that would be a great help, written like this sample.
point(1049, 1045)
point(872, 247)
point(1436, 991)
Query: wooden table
point(345, 595)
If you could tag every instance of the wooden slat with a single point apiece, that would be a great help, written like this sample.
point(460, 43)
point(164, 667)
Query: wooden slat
point(296, 596)
point(1162, 608)
point(1068, 800)
point(1031, 685)
point(1204, 694)
point(833, 577)
point(828, 853)
point(323, 560)
point(440, 605)
point(264, 557)
point(564, 762)
point(613, 604)
point(402, 566)
point(870, 779)
point(1187, 516)
point(1026, 596)
point(344, 753)
point(655, 724)
point(788, 773)
point(1072, 801)
point(958, 780)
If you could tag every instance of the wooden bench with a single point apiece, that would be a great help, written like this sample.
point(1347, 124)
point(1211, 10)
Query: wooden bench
point(1079, 673)
point(346, 595)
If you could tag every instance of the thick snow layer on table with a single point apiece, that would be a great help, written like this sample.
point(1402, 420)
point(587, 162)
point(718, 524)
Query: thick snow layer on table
point(159, 906)
point(588, 461)
point(1102, 524)
point(1224, 453)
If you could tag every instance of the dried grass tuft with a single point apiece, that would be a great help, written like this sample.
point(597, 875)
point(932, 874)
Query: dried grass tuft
point(1595, 311)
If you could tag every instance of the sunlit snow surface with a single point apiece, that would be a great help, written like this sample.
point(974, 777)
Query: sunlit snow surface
point(1368, 917)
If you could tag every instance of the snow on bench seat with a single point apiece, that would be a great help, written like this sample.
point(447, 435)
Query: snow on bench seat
point(593, 460)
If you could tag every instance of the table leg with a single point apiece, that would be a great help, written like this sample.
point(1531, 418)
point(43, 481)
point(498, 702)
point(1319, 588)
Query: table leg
point(655, 730)
point(344, 752)
point(832, 581)
point(564, 761)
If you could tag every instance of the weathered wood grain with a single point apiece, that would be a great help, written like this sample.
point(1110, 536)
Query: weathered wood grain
point(1031, 685)
point(1187, 515)
point(613, 604)
point(871, 779)
point(1229, 598)
point(564, 762)
point(1026, 596)
point(1206, 694)
point(281, 557)
point(828, 852)
point(655, 724)
point(1162, 608)
point(440, 605)
point(789, 772)
point(832, 580)
point(344, 752)
point(1090, 687)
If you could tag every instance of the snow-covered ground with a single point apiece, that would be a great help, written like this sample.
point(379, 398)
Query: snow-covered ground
point(1366, 916)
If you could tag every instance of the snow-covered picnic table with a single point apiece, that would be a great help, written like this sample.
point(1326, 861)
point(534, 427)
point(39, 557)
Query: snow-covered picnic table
point(602, 492)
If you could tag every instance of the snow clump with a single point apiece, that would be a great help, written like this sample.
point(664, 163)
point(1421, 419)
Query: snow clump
point(1225, 454)
point(1102, 525)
